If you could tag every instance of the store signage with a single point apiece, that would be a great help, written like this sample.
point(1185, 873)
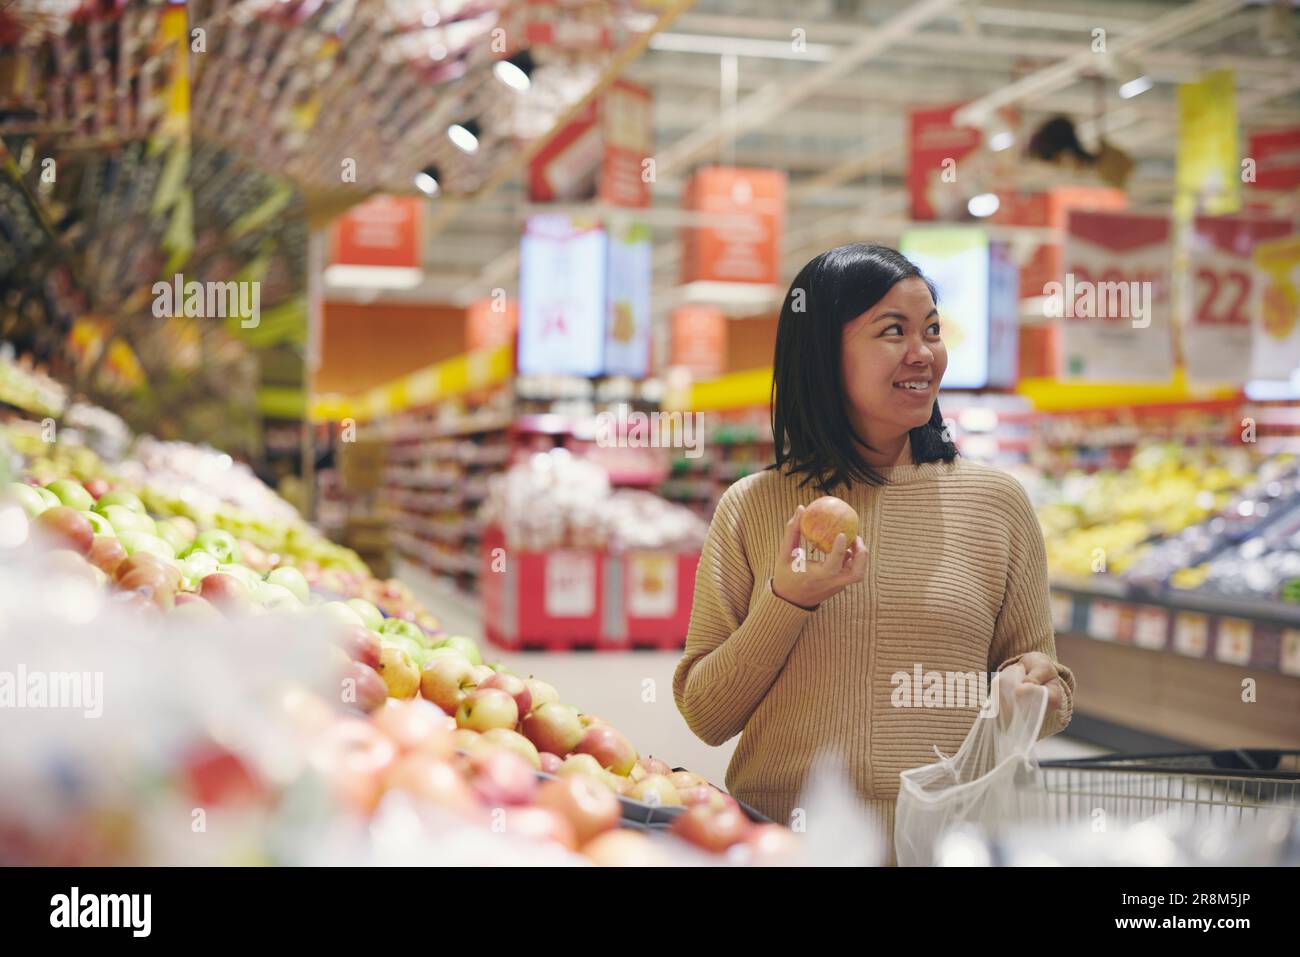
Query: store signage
point(1062, 613)
point(564, 170)
point(491, 322)
point(652, 585)
point(1218, 330)
point(1208, 174)
point(383, 231)
point(1232, 644)
point(1275, 155)
point(742, 245)
point(1277, 308)
point(570, 584)
point(627, 124)
point(1113, 298)
point(627, 318)
point(1051, 210)
point(1151, 628)
point(935, 149)
point(1191, 634)
point(562, 302)
point(977, 286)
point(1290, 661)
point(1103, 620)
point(699, 340)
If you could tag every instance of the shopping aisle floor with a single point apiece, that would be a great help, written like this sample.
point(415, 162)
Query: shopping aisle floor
point(632, 690)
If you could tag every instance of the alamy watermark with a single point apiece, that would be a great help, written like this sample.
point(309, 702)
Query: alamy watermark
point(75, 690)
point(209, 300)
point(625, 428)
point(1081, 298)
point(942, 689)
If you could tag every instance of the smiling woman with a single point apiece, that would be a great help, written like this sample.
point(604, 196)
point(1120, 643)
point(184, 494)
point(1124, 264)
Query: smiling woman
point(947, 575)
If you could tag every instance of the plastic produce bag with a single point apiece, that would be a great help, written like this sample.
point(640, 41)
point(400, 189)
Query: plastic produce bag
point(992, 780)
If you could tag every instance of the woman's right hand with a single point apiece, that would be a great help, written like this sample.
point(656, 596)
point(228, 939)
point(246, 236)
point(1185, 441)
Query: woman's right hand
point(806, 583)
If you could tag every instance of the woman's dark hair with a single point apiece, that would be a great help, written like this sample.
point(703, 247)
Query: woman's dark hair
point(810, 418)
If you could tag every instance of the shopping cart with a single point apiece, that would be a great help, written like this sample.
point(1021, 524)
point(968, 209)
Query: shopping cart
point(1209, 787)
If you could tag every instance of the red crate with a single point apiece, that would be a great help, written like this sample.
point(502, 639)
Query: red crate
point(651, 593)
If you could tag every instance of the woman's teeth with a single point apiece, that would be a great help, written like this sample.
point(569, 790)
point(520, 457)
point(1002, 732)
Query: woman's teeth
point(915, 386)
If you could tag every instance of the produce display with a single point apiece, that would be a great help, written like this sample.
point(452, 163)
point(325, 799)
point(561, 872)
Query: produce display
point(363, 714)
point(559, 500)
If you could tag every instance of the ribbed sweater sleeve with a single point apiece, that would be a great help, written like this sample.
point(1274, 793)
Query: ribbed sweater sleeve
point(1025, 622)
point(740, 635)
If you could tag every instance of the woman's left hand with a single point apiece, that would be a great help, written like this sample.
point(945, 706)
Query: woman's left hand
point(1041, 670)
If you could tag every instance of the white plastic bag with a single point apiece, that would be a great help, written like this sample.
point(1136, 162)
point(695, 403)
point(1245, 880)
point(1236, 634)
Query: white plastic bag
point(991, 781)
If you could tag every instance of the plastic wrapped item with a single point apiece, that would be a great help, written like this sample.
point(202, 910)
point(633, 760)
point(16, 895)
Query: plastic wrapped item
point(991, 779)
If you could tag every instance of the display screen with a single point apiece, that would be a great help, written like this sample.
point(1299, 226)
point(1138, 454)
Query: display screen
point(562, 297)
point(957, 262)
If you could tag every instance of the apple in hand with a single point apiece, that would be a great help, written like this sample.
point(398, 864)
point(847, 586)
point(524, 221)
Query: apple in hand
point(554, 728)
point(487, 708)
point(399, 671)
point(608, 746)
point(68, 527)
point(72, 494)
point(446, 682)
point(508, 740)
point(590, 806)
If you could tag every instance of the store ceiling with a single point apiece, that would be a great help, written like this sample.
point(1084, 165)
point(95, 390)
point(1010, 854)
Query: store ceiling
point(833, 115)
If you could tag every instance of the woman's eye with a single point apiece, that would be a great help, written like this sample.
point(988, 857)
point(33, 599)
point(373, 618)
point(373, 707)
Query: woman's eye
point(934, 329)
point(895, 330)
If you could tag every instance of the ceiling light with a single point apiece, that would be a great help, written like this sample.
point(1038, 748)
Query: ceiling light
point(1135, 87)
point(464, 135)
point(1002, 140)
point(516, 71)
point(983, 204)
point(426, 181)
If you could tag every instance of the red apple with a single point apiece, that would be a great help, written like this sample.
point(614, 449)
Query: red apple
point(447, 681)
point(487, 708)
point(683, 780)
point(189, 598)
point(708, 796)
point(826, 517)
point(415, 725)
point(361, 644)
point(501, 777)
point(656, 790)
point(624, 848)
point(362, 687)
point(772, 844)
point(590, 806)
point(654, 766)
point(582, 765)
point(514, 687)
point(609, 747)
point(541, 693)
point(481, 674)
point(224, 591)
point(425, 776)
point(399, 671)
point(712, 830)
point(68, 527)
point(96, 487)
point(147, 560)
point(554, 728)
point(551, 763)
point(106, 553)
point(354, 757)
point(152, 583)
point(541, 824)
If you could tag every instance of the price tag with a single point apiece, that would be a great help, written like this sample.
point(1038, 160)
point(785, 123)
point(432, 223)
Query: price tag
point(570, 584)
point(1062, 612)
point(1233, 645)
point(652, 589)
point(1151, 627)
point(1103, 620)
point(1290, 662)
point(1191, 634)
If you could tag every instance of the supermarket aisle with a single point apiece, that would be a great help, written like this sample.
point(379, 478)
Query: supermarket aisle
point(632, 690)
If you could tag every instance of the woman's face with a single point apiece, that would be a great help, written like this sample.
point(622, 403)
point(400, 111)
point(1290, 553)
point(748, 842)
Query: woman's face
point(894, 360)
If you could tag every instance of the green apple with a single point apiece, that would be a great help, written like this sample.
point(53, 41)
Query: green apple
point(124, 519)
point(441, 651)
point(49, 498)
point(398, 626)
point(465, 646)
point(198, 566)
point(100, 524)
point(250, 578)
point(292, 579)
point(26, 497)
point(172, 535)
point(371, 616)
point(144, 542)
point(121, 498)
point(72, 494)
point(342, 613)
point(274, 597)
point(221, 545)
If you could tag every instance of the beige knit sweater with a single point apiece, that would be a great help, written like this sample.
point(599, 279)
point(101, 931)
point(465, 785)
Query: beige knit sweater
point(956, 583)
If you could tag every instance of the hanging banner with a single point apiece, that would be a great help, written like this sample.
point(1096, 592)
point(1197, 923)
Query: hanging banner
point(627, 320)
point(490, 323)
point(745, 248)
point(1208, 177)
point(628, 128)
point(1217, 334)
point(1276, 158)
point(565, 169)
point(935, 149)
point(1051, 209)
point(1277, 308)
point(383, 233)
point(1113, 298)
point(562, 296)
point(699, 340)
